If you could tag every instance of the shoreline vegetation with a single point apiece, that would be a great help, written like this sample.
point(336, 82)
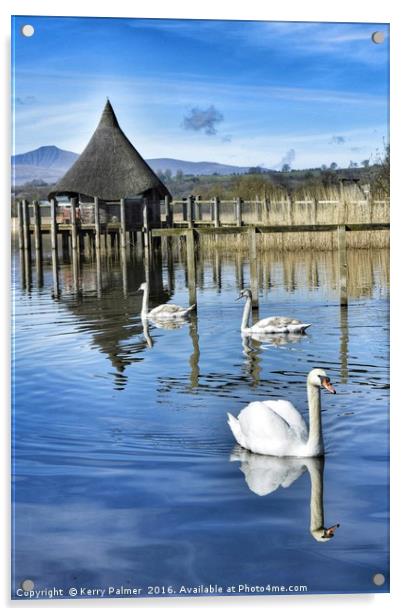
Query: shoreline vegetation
point(327, 195)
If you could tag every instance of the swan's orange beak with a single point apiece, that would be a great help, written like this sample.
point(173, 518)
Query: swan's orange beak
point(325, 382)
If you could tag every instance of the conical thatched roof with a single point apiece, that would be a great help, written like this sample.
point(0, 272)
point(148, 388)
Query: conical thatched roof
point(109, 167)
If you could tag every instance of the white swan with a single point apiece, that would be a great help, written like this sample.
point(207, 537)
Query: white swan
point(164, 311)
point(269, 325)
point(265, 474)
point(276, 428)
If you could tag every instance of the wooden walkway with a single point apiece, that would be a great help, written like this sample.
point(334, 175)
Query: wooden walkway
point(98, 239)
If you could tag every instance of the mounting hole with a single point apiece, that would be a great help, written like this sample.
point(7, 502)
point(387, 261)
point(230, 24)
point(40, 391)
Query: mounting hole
point(379, 579)
point(378, 37)
point(27, 30)
point(27, 585)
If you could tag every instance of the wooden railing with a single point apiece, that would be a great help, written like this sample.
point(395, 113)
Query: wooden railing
point(194, 212)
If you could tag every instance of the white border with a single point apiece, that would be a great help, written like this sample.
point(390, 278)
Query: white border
point(295, 10)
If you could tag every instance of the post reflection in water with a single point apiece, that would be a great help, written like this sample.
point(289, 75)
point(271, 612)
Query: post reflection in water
point(344, 343)
point(239, 271)
point(38, 269)
point(27, 268)
point(22, 269)
point(266, 474)
point(123, 261)
point(99, 274)
point(217, 270)
point(194, 357)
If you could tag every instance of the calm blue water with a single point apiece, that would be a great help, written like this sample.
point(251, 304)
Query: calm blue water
point(125, 469)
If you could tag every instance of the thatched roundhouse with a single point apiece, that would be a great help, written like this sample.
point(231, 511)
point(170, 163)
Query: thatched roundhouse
point(111, 169)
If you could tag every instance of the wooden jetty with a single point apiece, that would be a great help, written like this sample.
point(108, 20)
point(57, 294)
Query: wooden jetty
point(120, 231)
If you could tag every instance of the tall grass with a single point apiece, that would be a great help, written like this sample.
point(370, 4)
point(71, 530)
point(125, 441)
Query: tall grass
point(315, 205)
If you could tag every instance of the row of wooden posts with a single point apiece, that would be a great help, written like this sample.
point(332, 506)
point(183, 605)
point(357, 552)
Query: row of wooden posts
point(150, 237)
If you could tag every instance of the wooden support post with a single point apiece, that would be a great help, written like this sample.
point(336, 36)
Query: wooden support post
point(257, 209)
point(197, 208)
point(238, 211)
point(37, 226)
point(123, 224)
point(314, 211)
point(190, 220)
point(167, 212)
point(74, 228)
point(170, 221)
point(216, 214)
point(74, 244)
point(54, 246)
point(65, 246)
point(266, 208)
point(290, 211)
point(20, 225)
point(38, 243)
point(81, 242)
point(369, 205)
point(90, 244)
point(254, 283)
point(26, 227)
point(190, 237)
point(97, 225)
point(342, 206)
point(184, 209)
point(343, 266)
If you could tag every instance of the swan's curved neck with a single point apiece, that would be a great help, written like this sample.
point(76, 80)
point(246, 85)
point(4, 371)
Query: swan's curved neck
point(315, 441)
point(144, 306)
point(246, 314)
point(316, 470)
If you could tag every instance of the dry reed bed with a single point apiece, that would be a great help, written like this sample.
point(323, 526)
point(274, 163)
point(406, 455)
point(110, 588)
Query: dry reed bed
point(308, 211)
point(295, 241)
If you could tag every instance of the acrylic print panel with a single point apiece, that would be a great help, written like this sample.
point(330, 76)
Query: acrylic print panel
point(167, 439)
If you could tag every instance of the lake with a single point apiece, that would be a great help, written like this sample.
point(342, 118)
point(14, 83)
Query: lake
point(126, 475)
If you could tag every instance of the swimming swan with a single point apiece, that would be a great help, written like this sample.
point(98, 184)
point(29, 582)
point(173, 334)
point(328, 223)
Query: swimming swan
point(269, 325)
point(164, 311)
point(265, 474)
point(276, 428)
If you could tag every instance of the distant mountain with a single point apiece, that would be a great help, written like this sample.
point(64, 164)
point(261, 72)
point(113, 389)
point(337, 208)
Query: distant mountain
point(49, 163)
point(191, 168)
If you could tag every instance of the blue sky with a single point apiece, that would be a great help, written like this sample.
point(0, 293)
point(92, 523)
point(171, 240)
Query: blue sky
point(244, 93)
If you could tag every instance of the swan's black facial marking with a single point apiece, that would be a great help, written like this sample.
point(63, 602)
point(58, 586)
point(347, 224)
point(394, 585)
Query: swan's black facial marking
point(244, 293)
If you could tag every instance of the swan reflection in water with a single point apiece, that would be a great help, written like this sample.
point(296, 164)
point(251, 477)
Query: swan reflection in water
point(167, 324)
point(193, 334)
point(272, 340)
point(175, 324)
point(265, 474)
